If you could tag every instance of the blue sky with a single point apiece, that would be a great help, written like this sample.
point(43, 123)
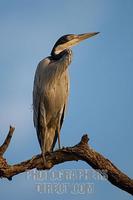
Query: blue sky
point(101, 97)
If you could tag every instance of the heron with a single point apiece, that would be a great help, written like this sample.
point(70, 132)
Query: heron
point(51, 91)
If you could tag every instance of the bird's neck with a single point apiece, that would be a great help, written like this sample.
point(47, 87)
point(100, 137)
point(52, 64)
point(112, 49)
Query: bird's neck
point(66, 54)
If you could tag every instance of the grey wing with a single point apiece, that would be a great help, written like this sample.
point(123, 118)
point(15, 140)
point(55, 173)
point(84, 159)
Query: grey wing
point(36, 99)
point(38, 105)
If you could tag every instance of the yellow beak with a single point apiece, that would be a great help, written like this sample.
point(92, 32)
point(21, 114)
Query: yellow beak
point(84, 36)
point(75, 39)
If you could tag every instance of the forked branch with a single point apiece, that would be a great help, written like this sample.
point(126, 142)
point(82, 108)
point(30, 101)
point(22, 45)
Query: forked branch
point(81, 151)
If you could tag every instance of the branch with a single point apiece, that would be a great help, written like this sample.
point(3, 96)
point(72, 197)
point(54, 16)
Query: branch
point(81, 151)
point(6, 143)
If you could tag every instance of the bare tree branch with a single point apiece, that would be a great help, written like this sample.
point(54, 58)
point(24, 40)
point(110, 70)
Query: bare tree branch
point(6, 143)
point(81, 151)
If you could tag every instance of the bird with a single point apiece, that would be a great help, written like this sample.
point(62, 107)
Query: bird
point(51, 90)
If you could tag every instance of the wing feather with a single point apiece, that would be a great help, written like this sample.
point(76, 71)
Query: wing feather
point(39, 114)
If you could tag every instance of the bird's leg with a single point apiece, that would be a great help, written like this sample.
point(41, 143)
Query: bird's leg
point(43, 145)
point(58, 132)
point(43, 156)
point(43, 153)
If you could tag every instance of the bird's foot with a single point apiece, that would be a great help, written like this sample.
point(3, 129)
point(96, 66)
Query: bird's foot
point(46, 164)
point(49, 153)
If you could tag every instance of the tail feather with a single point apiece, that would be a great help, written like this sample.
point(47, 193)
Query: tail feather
point(54, 140)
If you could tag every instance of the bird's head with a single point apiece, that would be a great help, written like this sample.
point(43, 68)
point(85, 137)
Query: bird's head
point(67, 41)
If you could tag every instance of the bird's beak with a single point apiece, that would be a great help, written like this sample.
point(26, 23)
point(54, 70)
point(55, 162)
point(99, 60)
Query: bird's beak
point(78, 38)
point(84, 36)
point(74, 40)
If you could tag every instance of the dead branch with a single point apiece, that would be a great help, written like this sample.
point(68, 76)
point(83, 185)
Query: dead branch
point(6, 143)
point(81, 151)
